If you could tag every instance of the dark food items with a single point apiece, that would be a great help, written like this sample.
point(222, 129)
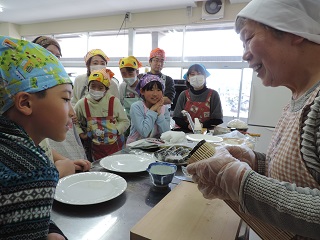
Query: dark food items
point(173, 154)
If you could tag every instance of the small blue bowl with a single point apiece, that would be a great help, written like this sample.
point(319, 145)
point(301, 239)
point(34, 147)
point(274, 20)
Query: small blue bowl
point(161, 173)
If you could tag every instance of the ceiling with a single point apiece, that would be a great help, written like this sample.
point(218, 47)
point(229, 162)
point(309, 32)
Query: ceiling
point(36, 11)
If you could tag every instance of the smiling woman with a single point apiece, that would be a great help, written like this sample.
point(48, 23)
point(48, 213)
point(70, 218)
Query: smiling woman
point(291, 166)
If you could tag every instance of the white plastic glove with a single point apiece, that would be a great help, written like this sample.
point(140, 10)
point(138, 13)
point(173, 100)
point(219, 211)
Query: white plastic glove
point(219, 176)
point(244, 154)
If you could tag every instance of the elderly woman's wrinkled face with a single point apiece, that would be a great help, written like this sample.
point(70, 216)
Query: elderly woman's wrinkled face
point(266, 54)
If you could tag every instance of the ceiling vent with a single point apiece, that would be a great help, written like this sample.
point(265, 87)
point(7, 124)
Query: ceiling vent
point(212, 9)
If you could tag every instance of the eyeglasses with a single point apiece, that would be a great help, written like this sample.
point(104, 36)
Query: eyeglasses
point(157, 60)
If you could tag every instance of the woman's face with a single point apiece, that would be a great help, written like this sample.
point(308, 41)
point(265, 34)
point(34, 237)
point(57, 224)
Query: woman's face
point(97, 60)
point(197, 79)
point(194, 73)
point(266, 54)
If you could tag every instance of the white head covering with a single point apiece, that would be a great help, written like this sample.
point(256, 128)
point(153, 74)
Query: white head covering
point(299, 17)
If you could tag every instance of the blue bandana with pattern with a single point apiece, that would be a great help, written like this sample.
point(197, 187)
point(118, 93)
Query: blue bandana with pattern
point(26, 67)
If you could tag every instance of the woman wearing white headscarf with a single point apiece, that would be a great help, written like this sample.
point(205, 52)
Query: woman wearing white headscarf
point(282, 45)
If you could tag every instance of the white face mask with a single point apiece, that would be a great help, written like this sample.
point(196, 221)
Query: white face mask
point(197, 81)
point(97, 67)
point(130, 81)
point(96, 95)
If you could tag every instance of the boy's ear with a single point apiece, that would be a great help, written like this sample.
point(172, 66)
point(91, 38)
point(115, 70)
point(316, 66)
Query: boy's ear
point(23, 102)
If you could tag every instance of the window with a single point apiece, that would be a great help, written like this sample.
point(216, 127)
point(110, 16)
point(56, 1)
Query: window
point(142, 45)
point(209, 42)
point(232, 85)
point(112, 44)
point(171, 41)
point(217, 47)
point(72, 45)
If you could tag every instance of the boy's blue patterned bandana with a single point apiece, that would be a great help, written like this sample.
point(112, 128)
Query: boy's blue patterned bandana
point(26, 67)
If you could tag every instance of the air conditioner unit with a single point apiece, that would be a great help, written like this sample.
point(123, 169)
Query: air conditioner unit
point(212, 9)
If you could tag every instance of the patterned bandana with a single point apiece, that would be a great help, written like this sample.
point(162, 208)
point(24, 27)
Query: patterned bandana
point(130, 61)
point(95, 52)
point(26, 67)
point(103, 75)
point(146, 78)
point(45, 41)
point(157, 52)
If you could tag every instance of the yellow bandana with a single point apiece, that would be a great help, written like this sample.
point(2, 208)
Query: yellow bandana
point(103, 75)
point(130, 61)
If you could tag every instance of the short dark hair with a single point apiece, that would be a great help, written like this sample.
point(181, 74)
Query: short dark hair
point(149, 86)
point(41, 94)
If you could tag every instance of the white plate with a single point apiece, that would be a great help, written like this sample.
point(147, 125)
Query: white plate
point(89, 188)
point(126, 163)
point(199, 137)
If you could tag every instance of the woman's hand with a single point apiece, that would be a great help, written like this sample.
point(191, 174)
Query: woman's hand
point(219, 176)
point(244, 154)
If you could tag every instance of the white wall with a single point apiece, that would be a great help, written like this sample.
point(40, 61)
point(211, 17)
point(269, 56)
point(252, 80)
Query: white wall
point(10, 29)
point(138, 20)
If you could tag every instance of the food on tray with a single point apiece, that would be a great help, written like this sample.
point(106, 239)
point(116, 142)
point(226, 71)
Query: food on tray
point(202, 150)
point(238, 124)
point(173, 154)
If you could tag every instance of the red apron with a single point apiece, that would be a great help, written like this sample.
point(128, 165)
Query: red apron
point(103, 132)
point(199, 110)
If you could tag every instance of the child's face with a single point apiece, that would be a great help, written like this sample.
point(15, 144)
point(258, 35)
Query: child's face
point(97, 86)
point(152, 96)
point(51, 115)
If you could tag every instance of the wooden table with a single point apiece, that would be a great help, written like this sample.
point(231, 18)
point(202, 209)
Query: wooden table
point(185, 214)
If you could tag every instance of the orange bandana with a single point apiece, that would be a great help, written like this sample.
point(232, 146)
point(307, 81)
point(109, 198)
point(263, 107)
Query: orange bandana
point(157, 52)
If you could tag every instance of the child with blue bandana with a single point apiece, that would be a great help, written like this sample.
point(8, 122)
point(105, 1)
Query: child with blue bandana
point(33, 85)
